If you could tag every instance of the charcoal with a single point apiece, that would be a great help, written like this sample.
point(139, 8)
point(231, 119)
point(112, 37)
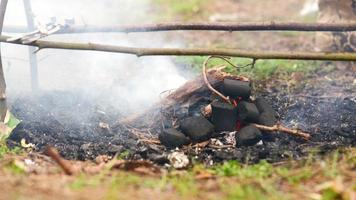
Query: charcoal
point(248, 136)
point(172, 138)
point(247, 112)
point(224, 116)
point(197, 128)
point(267, 119)
point(236, 89)
point(264, 107)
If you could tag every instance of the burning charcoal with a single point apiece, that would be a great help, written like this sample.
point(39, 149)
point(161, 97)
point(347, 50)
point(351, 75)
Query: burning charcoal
point(247, 112)
point(224, 116)
point(263, 106)
point(172, 138)
point(197, 128)
point(248, 136)
point(235, 89)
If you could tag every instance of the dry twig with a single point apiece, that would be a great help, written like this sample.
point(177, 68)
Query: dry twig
point(64, 164)
point(225, 98)
point(281, 128)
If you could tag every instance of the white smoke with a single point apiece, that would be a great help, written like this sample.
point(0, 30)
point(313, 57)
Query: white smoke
point(128, 82)
point(309, 7)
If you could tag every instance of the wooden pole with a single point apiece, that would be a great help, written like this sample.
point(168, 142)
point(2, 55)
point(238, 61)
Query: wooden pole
point(43, 44)
point(219, 26)
point(3, 104)
point(31, 49)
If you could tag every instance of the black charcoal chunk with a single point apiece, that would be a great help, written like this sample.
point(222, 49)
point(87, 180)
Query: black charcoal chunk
point(197, 128)
point(267, 119)
point(224, 116)
point(248, 136)
point(172, 138)
point(236, 88)
point(247, 112)
point(264, 107)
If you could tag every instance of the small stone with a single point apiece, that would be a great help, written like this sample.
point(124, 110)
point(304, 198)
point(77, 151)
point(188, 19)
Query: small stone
point(115, 148)
point(178, 160)
point(248, 136)
point(172, 138)
point(197, 128)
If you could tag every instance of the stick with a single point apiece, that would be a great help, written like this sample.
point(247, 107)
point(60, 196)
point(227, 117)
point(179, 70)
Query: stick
point(218, 26)
point(281, 128)
point(3, 104)
point(43, 44)
point(211, 88)
point(31, 50)
point(64, 164)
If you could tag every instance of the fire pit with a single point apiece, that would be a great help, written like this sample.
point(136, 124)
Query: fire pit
point(177, 122)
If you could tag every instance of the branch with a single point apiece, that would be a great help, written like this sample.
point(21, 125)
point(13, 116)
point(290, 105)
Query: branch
point(281, 128)
point(42, 44)
point(218, 26)
point(64, 164)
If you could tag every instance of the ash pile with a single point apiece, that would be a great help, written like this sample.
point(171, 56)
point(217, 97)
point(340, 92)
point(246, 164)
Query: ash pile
point(234, 121)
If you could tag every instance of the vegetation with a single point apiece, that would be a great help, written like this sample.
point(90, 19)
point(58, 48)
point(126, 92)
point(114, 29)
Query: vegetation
point(263, 69)
point(326, 178)
point(186, 9)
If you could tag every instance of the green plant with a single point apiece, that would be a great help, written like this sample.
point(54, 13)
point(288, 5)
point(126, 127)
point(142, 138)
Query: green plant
point(233, 168)
point(184, 9)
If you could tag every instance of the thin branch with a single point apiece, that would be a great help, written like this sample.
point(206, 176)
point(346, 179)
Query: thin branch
point(281, 128)
point(203, 26)
point(64, 164)
point(211, 88)
point(43, 44)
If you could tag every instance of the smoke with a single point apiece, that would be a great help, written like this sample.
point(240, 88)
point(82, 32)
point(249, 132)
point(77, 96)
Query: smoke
point(124, 81)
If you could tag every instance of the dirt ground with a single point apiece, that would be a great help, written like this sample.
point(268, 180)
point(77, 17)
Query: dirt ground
point(332, 176)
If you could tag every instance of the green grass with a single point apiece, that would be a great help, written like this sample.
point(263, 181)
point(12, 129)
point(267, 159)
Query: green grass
point(12, 123)
point(263, 69)
point(233, 179)
point(185, 9)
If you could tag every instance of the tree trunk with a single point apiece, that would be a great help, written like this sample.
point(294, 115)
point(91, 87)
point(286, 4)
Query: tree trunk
point(337, 11)
point(3, 104)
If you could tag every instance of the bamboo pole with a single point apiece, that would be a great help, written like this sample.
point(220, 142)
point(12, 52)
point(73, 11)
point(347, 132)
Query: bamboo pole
point(3, 104)
point(218, 26)
point(43, 44)
point(31, 50)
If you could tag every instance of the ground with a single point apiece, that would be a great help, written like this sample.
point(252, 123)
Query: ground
point(30, 175)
